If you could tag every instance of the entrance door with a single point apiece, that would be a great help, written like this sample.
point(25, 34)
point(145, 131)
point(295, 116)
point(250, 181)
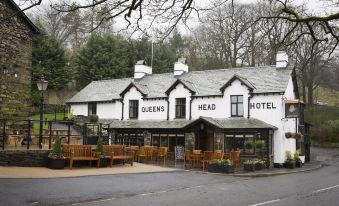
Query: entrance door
point(201, 140)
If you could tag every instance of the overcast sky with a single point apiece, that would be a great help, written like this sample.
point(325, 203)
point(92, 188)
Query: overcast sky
point(320, 7)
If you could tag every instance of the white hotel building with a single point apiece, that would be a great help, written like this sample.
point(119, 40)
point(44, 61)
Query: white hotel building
point(210, 109)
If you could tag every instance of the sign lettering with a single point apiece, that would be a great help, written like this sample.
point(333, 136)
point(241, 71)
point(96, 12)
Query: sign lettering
point(206, 107)
point(262, 105)
point(153, 109)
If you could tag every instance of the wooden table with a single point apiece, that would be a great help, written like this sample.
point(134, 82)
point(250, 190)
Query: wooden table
point(15, 140)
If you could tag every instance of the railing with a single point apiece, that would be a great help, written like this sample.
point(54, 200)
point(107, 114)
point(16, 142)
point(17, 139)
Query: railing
point(25, 134)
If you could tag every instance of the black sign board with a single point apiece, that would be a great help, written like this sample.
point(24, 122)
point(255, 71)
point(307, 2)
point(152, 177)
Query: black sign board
point(179, 153)
point(292, 110)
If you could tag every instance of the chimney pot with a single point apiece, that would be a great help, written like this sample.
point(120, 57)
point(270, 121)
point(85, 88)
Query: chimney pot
point(180, 67)
point(141, 69)
point(281, 60)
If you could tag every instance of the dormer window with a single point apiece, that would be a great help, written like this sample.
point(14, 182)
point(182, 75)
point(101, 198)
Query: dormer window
point(133, 109)
point(237, 105)
point(92, 108)
point(180, 107)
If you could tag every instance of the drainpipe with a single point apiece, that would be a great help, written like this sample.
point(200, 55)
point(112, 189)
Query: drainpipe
point(167, 100)
point(122, 109)
point(250, 95)
point(191, 107)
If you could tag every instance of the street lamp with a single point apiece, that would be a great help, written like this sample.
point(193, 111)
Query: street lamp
point(42, 86)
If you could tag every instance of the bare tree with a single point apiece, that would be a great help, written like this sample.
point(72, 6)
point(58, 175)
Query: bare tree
point(320, 28)
point(311, 63)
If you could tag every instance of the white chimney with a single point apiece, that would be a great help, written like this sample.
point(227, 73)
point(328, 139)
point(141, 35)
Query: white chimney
point(141, 69)
point(281, 60)
point(180, 67)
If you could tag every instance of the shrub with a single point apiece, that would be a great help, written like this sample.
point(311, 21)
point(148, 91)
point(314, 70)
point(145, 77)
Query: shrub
point(215, 161)
point(56, 152)
point(226, 162)
point(99, 148)
point(259, 144)
point(249, 162)
point(93, 118)
point(297, 155)
point(248, 144)
point(289, 157)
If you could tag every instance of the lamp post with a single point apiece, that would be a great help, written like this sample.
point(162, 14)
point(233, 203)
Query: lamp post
point(42, 86)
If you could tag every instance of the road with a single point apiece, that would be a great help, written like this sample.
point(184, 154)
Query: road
point(319, 187)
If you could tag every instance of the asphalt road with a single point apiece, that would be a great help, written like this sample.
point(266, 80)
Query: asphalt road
point(319, 187)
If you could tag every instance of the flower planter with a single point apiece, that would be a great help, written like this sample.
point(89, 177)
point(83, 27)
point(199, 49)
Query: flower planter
point(258, 166)
point(56, 163)
point(226, 169)
point(103, 162)
point(216, 168)
point(290, 165)
point(298, 164)
point(249, 167)
point(213, 168)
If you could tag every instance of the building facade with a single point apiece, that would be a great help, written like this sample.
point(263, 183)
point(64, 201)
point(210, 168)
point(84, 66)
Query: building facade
point(208, 110)
point(16, 32)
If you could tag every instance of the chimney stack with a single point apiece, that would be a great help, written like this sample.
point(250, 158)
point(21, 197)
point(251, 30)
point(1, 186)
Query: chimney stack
point(180, 67)
point(281, 60)
point(141, 69)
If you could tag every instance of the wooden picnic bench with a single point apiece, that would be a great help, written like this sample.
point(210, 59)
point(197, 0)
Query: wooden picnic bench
point(118, 152)
point(79, 152)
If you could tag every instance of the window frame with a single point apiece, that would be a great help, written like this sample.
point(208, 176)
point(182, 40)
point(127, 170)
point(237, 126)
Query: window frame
point(180, 109)
point(92, 106)
point(237, 104)
point(133, 107)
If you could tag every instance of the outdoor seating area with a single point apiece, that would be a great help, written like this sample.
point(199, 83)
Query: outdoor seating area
point(197, 158)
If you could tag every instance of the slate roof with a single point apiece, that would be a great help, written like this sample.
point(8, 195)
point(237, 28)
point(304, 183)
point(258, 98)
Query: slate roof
point(228, 123)
point(208, 82)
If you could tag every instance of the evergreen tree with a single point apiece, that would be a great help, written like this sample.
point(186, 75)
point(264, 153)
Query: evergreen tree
point(49, 60)
point(102, 57)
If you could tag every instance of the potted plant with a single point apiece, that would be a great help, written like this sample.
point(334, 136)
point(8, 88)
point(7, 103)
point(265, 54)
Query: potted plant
point(289, 161)
point(248, 144)
point(259, 144)
point(258, 164)
point(221, 166)
point(99, 152)
point(213, 166)
point(93, 118)
point(226, 166)
point(56, 159)
point(298, 162)
point(249, 166)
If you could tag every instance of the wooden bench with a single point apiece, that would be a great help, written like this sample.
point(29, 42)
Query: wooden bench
point(79, 152)
point(118, 152)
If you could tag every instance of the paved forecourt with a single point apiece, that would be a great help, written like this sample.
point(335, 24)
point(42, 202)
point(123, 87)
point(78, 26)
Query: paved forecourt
point(42, 172)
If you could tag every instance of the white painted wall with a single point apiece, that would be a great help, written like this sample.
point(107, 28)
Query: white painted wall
point(289, 93)
point(79, 109)
point(179, 92)
point(109, 110)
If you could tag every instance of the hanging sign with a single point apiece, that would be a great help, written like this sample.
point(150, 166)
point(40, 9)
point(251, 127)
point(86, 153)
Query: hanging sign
point(291, 110)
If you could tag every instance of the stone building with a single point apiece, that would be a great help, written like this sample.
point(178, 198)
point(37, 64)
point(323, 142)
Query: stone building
point(16, 32)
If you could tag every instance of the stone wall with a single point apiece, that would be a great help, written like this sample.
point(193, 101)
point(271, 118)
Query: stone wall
point(15, 63)
point(24, 158)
